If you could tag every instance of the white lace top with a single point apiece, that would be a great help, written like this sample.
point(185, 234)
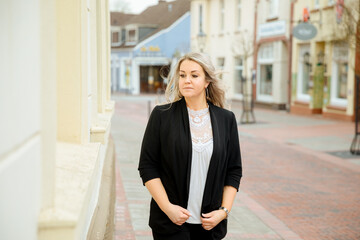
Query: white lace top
point(202, 147)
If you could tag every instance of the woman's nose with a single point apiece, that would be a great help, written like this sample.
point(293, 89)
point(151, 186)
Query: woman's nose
point(187, 79)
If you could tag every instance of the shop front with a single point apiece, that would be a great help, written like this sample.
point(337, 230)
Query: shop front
point(272, 65)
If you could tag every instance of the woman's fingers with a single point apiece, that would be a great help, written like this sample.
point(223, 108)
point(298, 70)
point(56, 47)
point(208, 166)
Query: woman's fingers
point(177, 214)
point(211, 219)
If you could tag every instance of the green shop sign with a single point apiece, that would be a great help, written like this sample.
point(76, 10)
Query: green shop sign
point(304, 31)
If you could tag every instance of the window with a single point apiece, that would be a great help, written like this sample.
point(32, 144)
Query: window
point(317, 4)
point(131, 36)
point(266, 72)
point(304, 83)
point(331, 2)
point(239, 80)
point(265, 68)
point(238, 14)
point(200, 18)
point(222, 15)
point(221, 64)
point(273, 8)
point(340, 69)
point(116, 37)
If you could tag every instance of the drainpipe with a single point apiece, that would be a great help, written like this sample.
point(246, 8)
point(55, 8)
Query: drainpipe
point(255, 51)
point(290, 54)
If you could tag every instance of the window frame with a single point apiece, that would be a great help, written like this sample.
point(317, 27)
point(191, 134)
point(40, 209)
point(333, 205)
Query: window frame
point(222, 16)
point(238, 67)
point(238, 14)
point(128, 40)
point(338, 59)
point(273, 9)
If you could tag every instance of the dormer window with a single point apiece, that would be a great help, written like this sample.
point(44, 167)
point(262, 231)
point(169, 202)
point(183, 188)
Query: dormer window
point(116, 37)
point(131, 37)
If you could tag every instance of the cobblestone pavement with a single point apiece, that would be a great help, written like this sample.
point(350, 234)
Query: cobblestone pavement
point(299, 180)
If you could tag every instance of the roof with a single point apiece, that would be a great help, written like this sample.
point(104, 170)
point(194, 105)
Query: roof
point(119, 18)
point(162, 15)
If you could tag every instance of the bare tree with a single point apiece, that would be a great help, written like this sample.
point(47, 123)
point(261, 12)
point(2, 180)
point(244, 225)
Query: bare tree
point(243, 46)
point(349, 26)
point(120, 6)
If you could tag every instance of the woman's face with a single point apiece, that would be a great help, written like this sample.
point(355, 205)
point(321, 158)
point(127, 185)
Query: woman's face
point(192, 81)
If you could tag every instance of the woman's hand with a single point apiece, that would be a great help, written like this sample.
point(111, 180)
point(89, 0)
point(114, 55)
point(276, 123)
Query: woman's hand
point(177, 214)
point(211, 219)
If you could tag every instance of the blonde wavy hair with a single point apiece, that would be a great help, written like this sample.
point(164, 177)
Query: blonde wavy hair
point(215, 92)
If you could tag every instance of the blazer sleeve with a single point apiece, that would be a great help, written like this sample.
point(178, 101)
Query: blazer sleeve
point(234, 167)
point(149, 163)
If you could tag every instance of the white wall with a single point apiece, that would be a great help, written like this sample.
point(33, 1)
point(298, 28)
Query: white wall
point(20, 107)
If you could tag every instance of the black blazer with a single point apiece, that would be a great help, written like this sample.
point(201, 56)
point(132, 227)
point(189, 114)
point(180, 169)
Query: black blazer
point(166, 153)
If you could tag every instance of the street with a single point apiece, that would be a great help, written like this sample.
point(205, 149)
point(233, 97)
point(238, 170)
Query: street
point(299, 179)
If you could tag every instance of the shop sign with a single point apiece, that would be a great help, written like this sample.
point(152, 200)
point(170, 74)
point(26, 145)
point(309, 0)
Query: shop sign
point(304, 31)
point(150, 49)
point(272, 29)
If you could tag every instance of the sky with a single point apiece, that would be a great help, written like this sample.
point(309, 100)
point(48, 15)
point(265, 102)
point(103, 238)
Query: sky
point(131, 6)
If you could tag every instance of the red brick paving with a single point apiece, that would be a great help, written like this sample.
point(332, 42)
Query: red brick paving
point(123, 227)
point(316, 199)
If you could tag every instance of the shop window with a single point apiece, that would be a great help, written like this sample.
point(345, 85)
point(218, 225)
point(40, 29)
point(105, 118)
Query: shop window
point(239, 81)
point(306, 69)
point(339, 76)
point(266, 72)
point(304, 83)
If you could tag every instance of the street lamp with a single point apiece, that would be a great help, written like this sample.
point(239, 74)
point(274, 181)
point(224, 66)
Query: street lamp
point(321, 60)
point(201, 40)
point(306, 58)
point(321, 57)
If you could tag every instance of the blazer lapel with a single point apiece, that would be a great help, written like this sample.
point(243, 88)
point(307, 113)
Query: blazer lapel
point(187, 143)
point(214, 161)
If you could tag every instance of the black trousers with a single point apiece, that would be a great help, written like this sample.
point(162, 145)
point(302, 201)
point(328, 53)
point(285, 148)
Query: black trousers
point(189, 232)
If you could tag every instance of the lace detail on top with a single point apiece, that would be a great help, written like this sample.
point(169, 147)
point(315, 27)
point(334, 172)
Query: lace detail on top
point(200, 127)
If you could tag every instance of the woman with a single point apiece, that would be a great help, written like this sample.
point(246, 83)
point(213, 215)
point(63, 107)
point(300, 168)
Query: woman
point(190, 157)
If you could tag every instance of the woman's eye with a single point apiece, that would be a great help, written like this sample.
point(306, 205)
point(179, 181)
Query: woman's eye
point(182, 75)
point(194, 76)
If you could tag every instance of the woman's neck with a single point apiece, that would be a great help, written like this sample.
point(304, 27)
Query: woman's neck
point(196, 104)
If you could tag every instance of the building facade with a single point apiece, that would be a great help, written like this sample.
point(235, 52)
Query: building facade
point(56, 156)
point(225, 31)
point(146, 43)
point(323, 68)
point(272, 19)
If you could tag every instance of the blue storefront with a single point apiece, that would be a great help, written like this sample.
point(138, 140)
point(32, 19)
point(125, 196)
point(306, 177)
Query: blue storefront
point(136, 69)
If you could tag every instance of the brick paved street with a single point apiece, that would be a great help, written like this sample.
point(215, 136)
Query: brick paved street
point(299, 181)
